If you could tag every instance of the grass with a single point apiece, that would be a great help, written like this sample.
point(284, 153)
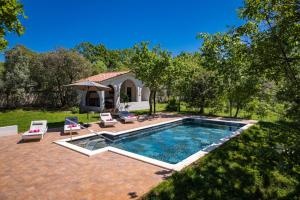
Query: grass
point(22, 118)
point(262, 163)
point(161, 107)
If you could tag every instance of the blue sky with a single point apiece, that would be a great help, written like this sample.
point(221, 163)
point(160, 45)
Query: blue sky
point(173, 24)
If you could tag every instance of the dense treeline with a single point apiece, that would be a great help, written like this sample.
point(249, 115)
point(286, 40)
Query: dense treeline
point(37, 79)
point(253, 67)
point(29, 78)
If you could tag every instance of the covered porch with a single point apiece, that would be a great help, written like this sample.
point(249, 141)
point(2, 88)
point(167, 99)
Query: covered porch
point(127, 93)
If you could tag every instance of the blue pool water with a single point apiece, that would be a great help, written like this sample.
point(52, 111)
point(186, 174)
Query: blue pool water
point(171, 143)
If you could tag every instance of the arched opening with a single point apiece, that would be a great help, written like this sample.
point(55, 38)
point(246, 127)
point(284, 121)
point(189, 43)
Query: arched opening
point(92, 99)
point(145, 94)
point(128, 91)
point(109, 98)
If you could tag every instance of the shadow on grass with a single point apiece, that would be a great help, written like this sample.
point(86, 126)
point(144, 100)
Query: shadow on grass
point(60, 125)
point(56, 124)
point(262, 163)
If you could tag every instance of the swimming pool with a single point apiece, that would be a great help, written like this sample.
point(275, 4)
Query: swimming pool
point(168, 142)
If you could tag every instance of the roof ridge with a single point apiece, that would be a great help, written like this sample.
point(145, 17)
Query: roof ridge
point(103, 76)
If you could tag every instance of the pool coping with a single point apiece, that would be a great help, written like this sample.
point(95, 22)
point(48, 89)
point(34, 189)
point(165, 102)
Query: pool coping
point(178, 166)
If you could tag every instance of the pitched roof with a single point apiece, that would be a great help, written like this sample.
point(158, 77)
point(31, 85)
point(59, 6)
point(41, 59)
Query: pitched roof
point(103, 76)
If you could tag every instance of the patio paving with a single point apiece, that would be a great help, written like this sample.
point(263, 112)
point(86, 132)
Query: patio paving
point(44, 170)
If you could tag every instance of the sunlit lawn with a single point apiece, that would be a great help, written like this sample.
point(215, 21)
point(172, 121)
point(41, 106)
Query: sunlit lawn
point(161, 107)
point(22, 118)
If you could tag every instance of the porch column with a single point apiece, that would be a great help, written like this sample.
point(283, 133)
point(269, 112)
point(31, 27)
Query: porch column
point(102, 100)
point(117, 96)
point(139, 94)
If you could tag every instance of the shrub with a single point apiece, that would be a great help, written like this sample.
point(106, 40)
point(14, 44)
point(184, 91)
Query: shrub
point(75, 110)
point(172, 105)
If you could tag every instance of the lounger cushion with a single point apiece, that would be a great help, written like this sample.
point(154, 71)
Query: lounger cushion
point(34, 131)
point(68, 127)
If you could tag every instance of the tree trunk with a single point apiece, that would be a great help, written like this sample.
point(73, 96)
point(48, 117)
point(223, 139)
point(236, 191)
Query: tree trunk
point(150, 102)
point(202, 105)
point(179, 102)
point(237, 111)
point(7, 99)
point(230, 108)
point(154, 101)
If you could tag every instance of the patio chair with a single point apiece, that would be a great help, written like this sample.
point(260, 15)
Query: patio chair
point(127, 116)
point(36, 131)
point(71, 124)
point(107, 120)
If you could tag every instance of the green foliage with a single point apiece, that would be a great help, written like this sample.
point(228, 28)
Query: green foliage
point(99, 67)
point(1, 68)
point(274, 31)
point(184, 68)
point(1, 77)
point(262, 163)
point(172, 105)
point(230, 58)
point(189, 81)
point(10, 12)
point(104, 59)
point(39, 79)
point(124, 97)
point(16, 74)
point(57, 69)
point(150, 66)
point(75, 109)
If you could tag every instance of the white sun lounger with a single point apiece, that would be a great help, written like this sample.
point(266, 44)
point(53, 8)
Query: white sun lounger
point(71, 124)
point(127, 116)
point(36, 131)
point(107, 120)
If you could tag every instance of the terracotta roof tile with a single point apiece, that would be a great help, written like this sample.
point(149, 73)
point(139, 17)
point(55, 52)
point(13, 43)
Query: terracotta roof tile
point(103, 76)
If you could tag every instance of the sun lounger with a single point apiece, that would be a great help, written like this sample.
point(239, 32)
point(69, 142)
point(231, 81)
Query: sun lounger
point(127, 116)
point(107, 120)
point(36, 131)
point(71, 124)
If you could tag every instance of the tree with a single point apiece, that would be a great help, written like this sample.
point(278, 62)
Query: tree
point(1, 78)
point(202, 90)
point(57, 69)
point(99, 67)
point(16, 75)
point(150, 66)
point(273, 31)
point(110, 60)
point(39, 79)
point(10, 12)
point(188, 80)
point(231, 58)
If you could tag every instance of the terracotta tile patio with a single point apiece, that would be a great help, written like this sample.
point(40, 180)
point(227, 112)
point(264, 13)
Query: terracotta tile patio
point(44, 170)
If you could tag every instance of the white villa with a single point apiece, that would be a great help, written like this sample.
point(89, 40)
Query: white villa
point(120, 83)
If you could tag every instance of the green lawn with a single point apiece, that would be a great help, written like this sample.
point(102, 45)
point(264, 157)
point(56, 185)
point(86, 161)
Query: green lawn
point(56, 118)
point(261, 163)
point(161, 107)
point(22, 118)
